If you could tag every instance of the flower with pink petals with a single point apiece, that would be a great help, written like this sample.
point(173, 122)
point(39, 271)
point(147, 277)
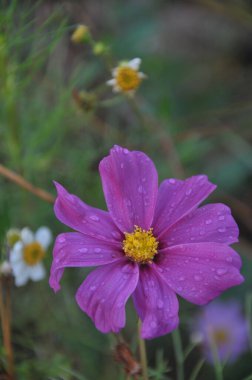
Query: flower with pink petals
point(151, 244)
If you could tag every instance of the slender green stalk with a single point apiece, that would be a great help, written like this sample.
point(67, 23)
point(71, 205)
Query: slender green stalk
point(197, 369)
point(216, 361)
point(177, 345)
point(143, 355)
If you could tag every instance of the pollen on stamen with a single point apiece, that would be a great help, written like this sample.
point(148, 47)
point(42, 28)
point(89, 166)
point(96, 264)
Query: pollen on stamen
point(140, 246)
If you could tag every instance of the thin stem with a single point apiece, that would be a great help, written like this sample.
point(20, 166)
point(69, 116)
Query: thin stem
point(20, 181)
point(5, 311)
point(216, 360)
point(248, 308)
point(143, 355)
point(151, 125)
point(178, 354)
point(197, 369)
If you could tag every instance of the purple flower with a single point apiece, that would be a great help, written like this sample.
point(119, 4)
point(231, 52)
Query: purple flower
point(223, 328)
point(151, 244)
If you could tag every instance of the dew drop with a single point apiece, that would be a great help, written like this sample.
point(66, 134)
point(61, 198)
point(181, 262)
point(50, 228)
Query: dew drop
point(83, 250)
point(92, 288)
point(222, 217)
point(197, 278)
point(95, 218)
point(153, 324)
point(61, 239)
point(188, 192)
point(140, 189)
point(116, 235)
point(160, 304)
point(222, 229)
point(221, 271)
point(208, 221)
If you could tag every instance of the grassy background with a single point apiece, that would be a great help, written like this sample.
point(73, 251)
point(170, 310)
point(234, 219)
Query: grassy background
point(198, 59)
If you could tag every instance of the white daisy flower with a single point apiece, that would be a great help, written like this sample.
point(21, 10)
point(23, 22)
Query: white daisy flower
point(127, 77)
point(27, 254)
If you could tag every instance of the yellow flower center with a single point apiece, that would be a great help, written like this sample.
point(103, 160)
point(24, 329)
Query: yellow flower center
point(127, 78)
point(140, 245)
point(220, 337)
point(33, 253)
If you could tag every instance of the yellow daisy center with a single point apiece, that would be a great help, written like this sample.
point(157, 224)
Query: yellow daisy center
point(127, 78)
point(33, 253)
point(220, 337)
point(140, 245)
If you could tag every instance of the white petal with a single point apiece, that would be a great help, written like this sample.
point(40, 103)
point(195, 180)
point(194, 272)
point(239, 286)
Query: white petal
point(16, 253)
point(111, 82)
point(18, 268)
point(22, 278)
point(114, 72)
point(37, 272)
point(27, 235)
point(135, 63)
point(44, 237)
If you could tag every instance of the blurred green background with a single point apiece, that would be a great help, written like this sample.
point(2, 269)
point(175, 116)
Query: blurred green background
point(197, 107)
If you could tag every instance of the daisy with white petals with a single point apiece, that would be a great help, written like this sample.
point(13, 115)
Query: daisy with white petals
point(127, 77)
point(27, 254)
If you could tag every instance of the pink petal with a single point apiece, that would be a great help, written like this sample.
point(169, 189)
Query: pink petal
point(200, 272)
point(156, 304)
point(178, 198)
point(210, 223)
point(130, 185)
point(91, 221)
point(73, 249)
point(104, 293)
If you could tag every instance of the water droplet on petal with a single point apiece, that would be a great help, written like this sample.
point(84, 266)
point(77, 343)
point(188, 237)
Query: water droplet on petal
point(221, 271)
point(197, 278)
point(83, 250)
point(140, 189)
point(222, 217)
point(188, 192)
point(160, 304)
point(208, 221)
point(94, 218)
point(92, 288)
point(61, 239)
point(229, 259)
point(153, 324)
point(222, 229)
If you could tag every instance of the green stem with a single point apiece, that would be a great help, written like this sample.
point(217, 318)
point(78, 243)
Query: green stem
point(178, 354)
point(216, 361)
point(143, 355)
point(197, 369)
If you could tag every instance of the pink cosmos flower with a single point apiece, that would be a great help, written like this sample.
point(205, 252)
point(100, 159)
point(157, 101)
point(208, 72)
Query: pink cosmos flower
point(152, 243)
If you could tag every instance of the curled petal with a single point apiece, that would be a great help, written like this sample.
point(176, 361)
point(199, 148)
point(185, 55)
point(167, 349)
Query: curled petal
point(200, 272)
point(156, 304)
point(130, 185)
point(176, 199)
point(210, 223)
point(88, 220)
point(73, 249)
point(104, 293)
